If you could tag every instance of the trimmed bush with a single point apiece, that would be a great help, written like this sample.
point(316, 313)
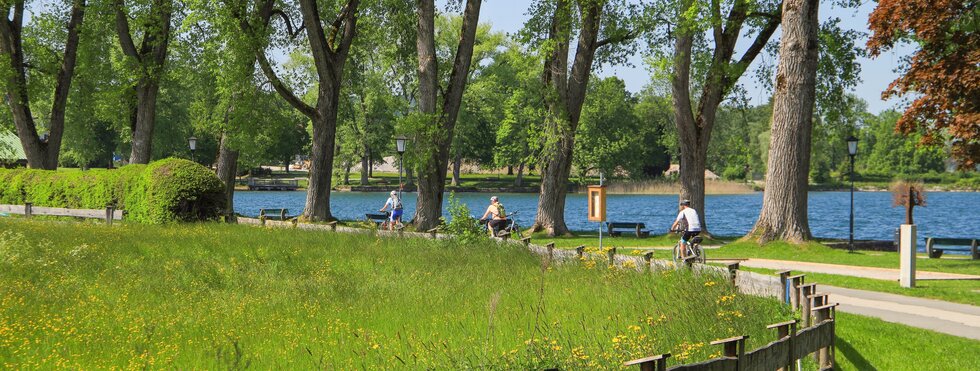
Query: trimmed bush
point(164, 191)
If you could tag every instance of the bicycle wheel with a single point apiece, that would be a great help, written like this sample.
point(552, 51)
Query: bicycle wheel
point(516, 231)
point(677, 254)
point(699, 253)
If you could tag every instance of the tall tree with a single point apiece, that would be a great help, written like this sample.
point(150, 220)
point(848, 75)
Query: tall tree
point(695, 123)
point(441, 116)
point(41, 154)
point(329, 49)
point(942, 74)
point(784, 203)
point(149, 60)
point(565, 93)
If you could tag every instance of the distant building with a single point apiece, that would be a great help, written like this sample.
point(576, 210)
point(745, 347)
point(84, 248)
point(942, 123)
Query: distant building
point(11, 152)
point(675, 170)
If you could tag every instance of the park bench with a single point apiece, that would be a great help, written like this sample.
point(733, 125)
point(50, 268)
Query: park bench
point(969, 244)
point(377, 218)
point(274, 214)
point(637, 227)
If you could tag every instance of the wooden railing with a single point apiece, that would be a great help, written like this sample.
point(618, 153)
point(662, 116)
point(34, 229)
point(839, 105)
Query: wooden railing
point(108, 214)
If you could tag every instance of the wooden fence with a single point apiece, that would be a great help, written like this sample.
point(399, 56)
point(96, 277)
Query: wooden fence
point(817, 336)
point(108, 214)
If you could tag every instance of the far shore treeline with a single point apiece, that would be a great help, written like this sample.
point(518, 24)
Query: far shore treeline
point(328, 85)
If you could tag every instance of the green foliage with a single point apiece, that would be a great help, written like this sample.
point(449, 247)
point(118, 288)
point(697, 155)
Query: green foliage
point(462, 225)
point(163, 191)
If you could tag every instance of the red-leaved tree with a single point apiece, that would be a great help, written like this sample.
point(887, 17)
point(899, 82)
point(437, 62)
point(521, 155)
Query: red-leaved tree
point(942, 75)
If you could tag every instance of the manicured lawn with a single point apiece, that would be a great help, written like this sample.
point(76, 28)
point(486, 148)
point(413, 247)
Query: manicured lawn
point(206, 296)
point(959, 291)
point(865, 343)
point(815, 252)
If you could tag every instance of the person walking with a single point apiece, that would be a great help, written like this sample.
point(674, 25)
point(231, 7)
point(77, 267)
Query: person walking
point(396, 210)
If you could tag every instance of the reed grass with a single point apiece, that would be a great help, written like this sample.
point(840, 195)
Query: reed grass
point(672, 187)
point(83, 296)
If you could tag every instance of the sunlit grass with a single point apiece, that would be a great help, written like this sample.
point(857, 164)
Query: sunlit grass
point(83, 296)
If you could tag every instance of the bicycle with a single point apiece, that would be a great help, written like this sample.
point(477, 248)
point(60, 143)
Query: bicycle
point(385, 225)
point(693, 249)
point(511, 226)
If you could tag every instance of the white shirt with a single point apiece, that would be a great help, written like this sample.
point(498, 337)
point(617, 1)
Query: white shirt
point(394, 202)
point(691, 216)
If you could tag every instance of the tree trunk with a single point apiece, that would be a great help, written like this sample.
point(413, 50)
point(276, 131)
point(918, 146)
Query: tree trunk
point(321, 167)
point(227, 169)
point(347, 173)
point(40, 154)
point(510, 170)
point(432, 177)
point(409, 177)
point(784, 203)
point(142, 139)
point(365, 168)
point(151, 56)
point(457, 163)
point(694, 126)
point(519, 181)
point(565, 108)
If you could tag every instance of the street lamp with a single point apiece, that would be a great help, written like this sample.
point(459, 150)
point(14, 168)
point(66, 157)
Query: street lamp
point(400, 147)
point(192, 142)
point(852, 149)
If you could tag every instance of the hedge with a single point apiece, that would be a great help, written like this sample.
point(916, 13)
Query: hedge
point(164, 191)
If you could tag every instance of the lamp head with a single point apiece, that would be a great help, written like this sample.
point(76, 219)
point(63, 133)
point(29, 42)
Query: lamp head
point(192, 142)
point(400, 144)
point(852, 145)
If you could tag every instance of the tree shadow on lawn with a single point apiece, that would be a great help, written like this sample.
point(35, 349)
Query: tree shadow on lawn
point(853, 355)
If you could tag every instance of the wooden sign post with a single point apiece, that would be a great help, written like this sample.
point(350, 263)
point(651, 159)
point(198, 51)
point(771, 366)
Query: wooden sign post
point(597, 206)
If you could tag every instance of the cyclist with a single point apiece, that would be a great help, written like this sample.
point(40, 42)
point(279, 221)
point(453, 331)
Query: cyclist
point(690, 216)
point(498, 217)
point(396, 209)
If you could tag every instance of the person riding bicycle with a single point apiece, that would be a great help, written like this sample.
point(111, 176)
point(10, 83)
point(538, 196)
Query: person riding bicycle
point(690, 216)
point(498, 216)
point(396, 209)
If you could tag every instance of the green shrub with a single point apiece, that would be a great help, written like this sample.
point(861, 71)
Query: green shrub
point(462, 225)
point(164, 191)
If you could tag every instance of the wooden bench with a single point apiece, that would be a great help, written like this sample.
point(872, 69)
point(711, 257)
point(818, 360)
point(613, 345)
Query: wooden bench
point(970, 244)
point(378, 219)
point(274, 214)
point(637, 227)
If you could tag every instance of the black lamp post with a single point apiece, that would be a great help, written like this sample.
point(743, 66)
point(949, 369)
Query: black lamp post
point(400, 147)
point(192, 142)
point(852, 149)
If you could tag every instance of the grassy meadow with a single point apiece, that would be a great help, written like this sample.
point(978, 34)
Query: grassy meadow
point(84, 295)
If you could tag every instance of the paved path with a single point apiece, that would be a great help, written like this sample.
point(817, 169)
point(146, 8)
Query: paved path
point(949, 318)
point(850, 270)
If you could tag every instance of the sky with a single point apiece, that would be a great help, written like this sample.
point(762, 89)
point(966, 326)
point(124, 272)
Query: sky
point(509, 16)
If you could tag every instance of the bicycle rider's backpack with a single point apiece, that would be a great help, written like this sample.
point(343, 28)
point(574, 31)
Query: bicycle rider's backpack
point(501, 213)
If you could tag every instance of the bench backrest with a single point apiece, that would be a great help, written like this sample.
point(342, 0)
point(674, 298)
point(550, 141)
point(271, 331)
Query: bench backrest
point(953, 241)
point(376, 216)
point(626, 225)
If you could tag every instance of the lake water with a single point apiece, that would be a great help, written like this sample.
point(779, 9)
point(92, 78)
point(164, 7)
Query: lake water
point(948, 214)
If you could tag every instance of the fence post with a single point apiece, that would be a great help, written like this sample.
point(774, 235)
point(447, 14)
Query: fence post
point(824, 356)
point(551, 251)
point(806, 291)
point(612, 256)
point(580, 251)
point(654, 363)
point(732, 271)
point(786, 330)
point(794, 290)
point(295, 222)
point(526, 241)
point(432, 232)
point(109, 210)
point(648, 257)
point(734, 347)
point(28, 209)
point(332, 225)
point(784, 295)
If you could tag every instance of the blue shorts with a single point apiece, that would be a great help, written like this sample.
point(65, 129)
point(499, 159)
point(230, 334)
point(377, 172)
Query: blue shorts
point(395, 214)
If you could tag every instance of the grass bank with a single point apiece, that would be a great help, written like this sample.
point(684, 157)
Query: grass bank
point(865, 343)
point(83, 295)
